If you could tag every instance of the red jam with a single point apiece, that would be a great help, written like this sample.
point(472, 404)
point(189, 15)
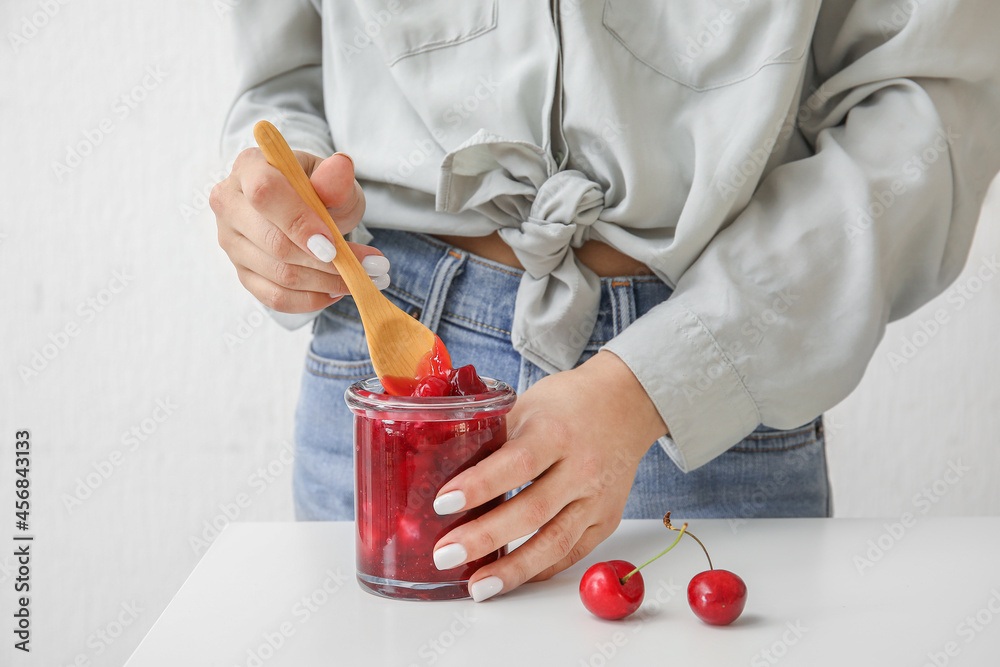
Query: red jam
point(436, 363)
point(406, 448)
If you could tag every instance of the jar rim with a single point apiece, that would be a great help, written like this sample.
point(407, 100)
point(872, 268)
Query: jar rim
point(367, 396)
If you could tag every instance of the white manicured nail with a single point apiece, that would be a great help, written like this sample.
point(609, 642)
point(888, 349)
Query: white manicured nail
point(322, 247)
point(450, 556)
point(486, 588)
point(449, 503)
point(381, 281)
point(375, 265)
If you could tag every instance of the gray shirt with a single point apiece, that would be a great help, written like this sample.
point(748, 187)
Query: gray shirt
point(800, 172)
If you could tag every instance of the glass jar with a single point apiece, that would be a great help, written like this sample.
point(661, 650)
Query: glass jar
point(405, 449)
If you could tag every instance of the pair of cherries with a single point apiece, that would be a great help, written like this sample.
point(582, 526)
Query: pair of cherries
point(614, 589)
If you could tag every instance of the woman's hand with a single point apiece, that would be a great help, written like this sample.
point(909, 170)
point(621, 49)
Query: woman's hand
point(578, 436)
point(280, 247)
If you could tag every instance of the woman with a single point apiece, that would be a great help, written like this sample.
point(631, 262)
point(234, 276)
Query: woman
point(679, 229)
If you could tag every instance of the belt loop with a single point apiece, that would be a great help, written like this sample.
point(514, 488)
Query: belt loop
point(447, 268)
point(622, 304)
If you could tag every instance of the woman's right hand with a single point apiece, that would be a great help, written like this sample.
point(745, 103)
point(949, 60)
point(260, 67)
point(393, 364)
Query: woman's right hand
point(280, 247)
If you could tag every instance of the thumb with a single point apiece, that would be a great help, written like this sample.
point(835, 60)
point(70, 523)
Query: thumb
point(333, 179)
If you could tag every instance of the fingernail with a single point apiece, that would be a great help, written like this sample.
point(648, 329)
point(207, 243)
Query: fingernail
point(322, 247)
point(375, 265)
point(486, 588)
point(348, 157)
point(450, 556)
point(381, 281)
point(335, 296)
point(449, 503)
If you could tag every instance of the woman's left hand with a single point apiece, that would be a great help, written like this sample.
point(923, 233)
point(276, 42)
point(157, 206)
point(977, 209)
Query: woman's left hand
point(578, 437)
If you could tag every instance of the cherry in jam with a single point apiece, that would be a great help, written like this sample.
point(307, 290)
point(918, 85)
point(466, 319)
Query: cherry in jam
point(436, 363)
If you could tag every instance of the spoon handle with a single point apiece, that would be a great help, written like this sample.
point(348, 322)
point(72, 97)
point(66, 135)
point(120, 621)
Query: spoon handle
point(280, 156)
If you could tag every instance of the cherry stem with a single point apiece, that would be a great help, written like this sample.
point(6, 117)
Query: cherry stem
point(628, 576)
point(666, 522)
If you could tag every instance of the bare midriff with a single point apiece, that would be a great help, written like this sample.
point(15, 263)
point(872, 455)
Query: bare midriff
point(602, 259)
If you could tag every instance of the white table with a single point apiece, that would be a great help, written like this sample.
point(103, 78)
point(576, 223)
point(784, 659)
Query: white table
point(285, 594)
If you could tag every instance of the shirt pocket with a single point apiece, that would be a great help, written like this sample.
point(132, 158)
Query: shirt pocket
point(707, 44)
point(410, 27)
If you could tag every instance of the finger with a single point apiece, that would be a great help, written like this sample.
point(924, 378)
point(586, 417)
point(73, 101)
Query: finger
point(282, 299)
point(555, 541)
point(334, 182)
point(588, 541)
point(241, 217)
point(521, 515)
point(506, 469)
point(243, 252)
point(271, 195)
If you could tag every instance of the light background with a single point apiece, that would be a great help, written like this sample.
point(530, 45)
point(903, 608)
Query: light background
point(183, 332)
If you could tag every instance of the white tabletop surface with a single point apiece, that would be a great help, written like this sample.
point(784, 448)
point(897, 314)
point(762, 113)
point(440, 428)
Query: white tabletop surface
point(821, 592)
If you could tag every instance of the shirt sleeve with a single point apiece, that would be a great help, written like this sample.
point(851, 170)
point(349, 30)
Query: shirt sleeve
point(279, 57)
point(779, 317)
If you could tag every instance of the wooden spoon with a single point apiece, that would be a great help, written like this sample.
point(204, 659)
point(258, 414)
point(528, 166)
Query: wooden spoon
point(399, 345)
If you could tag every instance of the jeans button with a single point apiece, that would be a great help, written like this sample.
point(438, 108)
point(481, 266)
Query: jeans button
point(414, 312)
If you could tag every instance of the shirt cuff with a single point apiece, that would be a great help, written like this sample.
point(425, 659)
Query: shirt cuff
point(292, 321)
point(696, 389)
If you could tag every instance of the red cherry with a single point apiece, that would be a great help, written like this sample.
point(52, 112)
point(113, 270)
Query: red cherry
point(465, 382)
point(436, 362)
point(604, 594)
point(432, 385)
point(717, 596)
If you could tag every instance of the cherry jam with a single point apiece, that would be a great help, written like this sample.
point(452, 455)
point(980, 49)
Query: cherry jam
point(405, 449)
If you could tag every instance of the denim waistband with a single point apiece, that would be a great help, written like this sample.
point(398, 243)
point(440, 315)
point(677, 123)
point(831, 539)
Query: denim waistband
point(439, 281)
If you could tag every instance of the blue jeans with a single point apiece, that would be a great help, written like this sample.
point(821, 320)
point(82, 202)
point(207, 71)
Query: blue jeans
point(469, 301)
